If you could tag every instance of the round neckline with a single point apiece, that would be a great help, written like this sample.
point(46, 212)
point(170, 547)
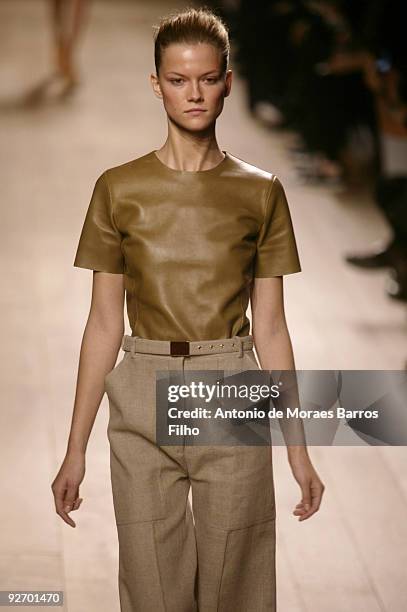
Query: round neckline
point(191, 172)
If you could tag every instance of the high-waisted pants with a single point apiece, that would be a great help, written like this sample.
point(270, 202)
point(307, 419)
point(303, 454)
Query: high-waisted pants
point(219, 556)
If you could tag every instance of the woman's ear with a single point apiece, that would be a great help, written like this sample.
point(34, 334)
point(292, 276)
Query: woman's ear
point(155, 83)
point(228, 82)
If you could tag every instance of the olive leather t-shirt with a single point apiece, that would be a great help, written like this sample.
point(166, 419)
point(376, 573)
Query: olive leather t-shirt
point(188, 243)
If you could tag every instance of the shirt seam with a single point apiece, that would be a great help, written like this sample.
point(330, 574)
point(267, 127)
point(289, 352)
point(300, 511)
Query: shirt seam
point(112, 208)
point(266, 205)
point(110, 200)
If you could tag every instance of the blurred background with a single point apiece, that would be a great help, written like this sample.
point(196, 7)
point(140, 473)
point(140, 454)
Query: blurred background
point(319, 97)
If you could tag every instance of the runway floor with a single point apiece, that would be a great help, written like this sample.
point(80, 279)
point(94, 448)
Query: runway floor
point(350, 556)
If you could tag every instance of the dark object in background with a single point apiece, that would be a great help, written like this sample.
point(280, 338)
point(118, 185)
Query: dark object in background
point(384, 258)
point(391, 196)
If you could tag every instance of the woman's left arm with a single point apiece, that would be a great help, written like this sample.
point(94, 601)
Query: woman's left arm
point(274, 350)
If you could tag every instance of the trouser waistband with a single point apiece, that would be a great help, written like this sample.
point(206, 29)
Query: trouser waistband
point(135, 344)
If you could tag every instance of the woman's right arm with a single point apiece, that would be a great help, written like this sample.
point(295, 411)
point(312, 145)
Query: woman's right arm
point(99, 349)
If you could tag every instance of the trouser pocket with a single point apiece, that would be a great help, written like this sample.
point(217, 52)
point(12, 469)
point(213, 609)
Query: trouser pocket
point(135, 459)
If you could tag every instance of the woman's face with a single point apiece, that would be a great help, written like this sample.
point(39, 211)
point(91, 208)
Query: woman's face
point(190, 77)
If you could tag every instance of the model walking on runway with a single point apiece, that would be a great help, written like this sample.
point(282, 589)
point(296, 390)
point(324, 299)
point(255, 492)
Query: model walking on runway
point(189, 234)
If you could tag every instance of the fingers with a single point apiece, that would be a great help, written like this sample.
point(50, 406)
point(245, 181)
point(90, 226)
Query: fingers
point(66, 500)
point(310, 502)
point(71, 495)
point(77, 503)
point(60, 509)
point(302, 510)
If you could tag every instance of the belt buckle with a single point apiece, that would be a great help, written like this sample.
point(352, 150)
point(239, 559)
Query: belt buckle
point(179, 348)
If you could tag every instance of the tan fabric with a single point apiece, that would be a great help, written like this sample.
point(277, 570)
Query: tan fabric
point(230, 536)
point(188, 243)
point(197, 347)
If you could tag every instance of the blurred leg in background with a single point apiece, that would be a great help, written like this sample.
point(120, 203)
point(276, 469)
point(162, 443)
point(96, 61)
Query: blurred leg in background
point(67, 19)
point(67, 22)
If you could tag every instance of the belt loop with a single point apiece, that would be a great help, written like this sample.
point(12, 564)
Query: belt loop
point(240, 341)
point(133, 346)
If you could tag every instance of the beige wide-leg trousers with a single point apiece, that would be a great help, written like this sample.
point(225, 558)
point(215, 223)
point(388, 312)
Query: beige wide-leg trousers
point(219, 557)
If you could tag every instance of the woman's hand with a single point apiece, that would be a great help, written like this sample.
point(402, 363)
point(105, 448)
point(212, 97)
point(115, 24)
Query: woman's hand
point(65, 487)
point(311, 486)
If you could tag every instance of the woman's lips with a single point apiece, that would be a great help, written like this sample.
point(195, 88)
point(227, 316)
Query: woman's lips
point(195, 112)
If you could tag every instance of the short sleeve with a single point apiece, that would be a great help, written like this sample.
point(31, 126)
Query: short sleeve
point(277, 252)
point(99, 245)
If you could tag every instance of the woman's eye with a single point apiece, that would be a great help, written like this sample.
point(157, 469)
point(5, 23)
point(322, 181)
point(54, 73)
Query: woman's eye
point(208, 79)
